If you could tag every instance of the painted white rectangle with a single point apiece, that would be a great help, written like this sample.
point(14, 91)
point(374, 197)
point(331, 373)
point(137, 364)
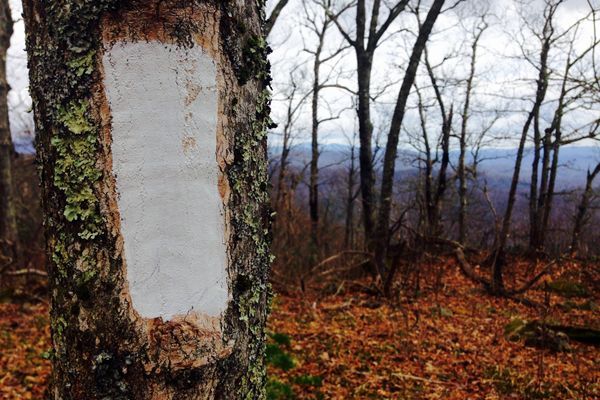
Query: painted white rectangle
point(163, 102)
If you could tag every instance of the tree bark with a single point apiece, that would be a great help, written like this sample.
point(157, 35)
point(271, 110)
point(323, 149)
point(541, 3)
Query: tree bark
point(9, 239)
point(105, 347)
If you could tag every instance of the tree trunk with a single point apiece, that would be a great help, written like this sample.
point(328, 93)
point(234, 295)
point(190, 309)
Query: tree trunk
point(556, 127)
point(285, 152)
point(541, 145)
point(313, 200)
point(582, 209)
point(8, 216)
point(349, 226)
point(442, 181)
point(435, 214)
point(461, 170)
point(151, 119)
point(462, 173)
point(365, 130)
point(428, 206)
point(285, 147)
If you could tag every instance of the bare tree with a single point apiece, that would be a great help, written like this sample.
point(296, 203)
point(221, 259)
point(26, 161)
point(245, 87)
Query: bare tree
point(294, 104)
point(478, 31)
point(391, 150)
point(571, 96)
point(434, 201)
point(546, 144)
point(370, 29)
point(318, 21)
point(497, 284)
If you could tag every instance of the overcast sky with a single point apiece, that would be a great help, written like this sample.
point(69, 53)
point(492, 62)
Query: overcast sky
point(501, 83)
point(502, 80)
point(18, 98)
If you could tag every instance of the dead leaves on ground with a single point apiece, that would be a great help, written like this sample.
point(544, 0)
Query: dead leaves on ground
point(448, 345)
point(445, 346)
point(24, 341)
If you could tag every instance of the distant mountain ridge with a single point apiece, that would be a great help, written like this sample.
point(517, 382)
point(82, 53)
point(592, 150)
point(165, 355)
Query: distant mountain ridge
point(496, 163)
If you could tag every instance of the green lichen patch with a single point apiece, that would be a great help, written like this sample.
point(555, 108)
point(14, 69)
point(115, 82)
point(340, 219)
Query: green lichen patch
point(84, 64)
point(75, 170)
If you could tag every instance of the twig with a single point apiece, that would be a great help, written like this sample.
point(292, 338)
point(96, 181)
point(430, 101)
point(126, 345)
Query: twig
point(534, 280)
point(28, 271)
point(418, 378)
point(333, 258)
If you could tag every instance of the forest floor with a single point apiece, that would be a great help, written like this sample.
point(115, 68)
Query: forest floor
point(448, 342)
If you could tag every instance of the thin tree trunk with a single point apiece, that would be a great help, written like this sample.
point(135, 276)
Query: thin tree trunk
point(441, 183)
point(536, 240)
point(497, 285)
point(462, 175)
point(556, 127)
point(542, 145)
point(9, 240)
point(270, 22)
point(349, 231)
point(428, 201)
point(533, 185)
point(137, 312)
point(442, 176)
point(582, 209)
point(313, 200)
point(365, 129)
point(549, 195)
point(283, 160)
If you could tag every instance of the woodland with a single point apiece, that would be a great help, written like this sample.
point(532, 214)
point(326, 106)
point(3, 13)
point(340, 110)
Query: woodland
point(426, 193)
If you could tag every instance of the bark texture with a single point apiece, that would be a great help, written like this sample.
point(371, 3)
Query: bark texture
point(102, 348)
point(8, 216)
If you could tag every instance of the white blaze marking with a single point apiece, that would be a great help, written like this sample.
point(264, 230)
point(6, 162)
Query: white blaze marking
point(163, 102)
